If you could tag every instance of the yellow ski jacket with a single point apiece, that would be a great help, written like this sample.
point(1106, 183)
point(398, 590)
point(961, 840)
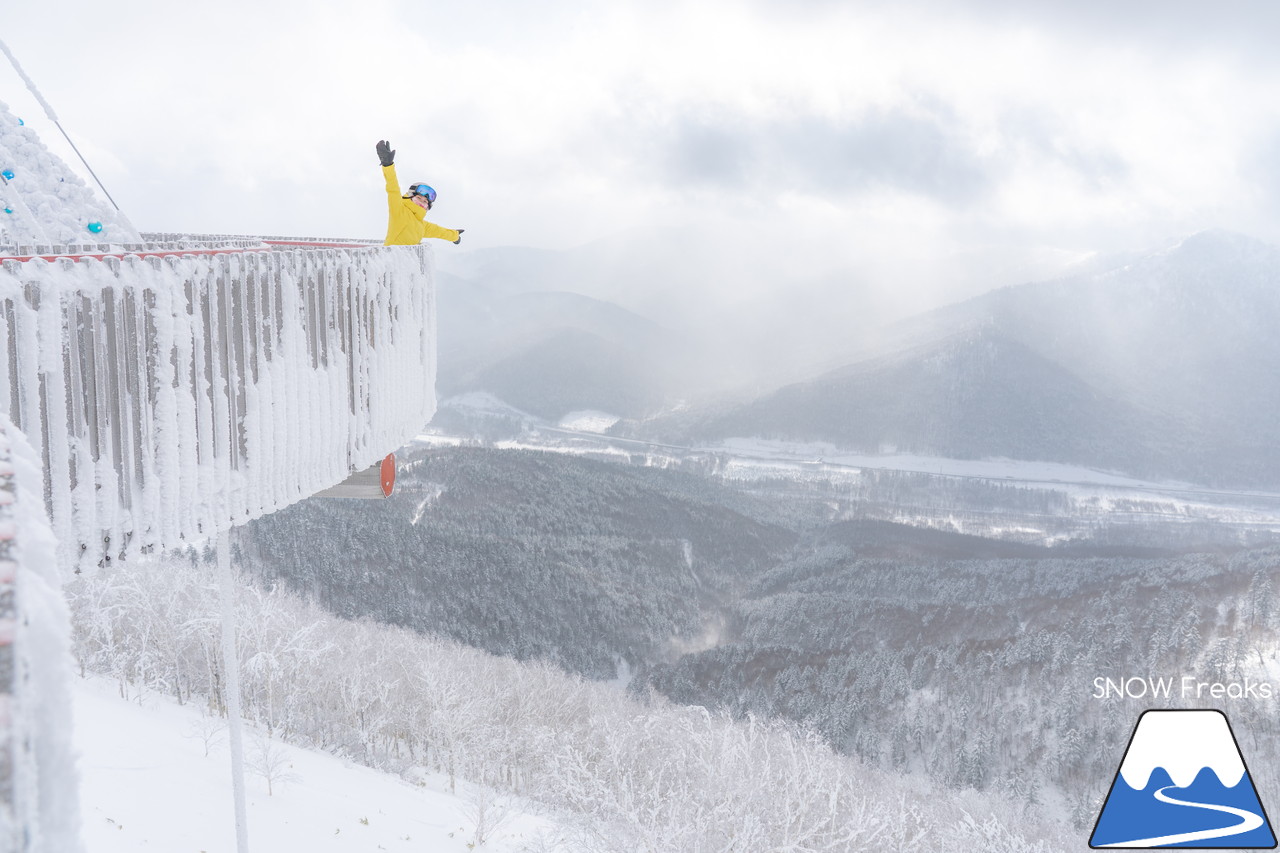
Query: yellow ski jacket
point(406, 221)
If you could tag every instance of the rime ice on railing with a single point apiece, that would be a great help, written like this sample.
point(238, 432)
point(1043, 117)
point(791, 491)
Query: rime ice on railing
point(39, 792)
point(9, 821)
point(172, 396)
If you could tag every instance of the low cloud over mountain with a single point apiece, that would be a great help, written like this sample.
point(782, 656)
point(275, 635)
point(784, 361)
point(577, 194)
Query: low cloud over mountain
point(1162, 367)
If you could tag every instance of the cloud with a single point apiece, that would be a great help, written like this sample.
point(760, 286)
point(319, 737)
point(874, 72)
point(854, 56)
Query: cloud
point(1161, 24)
point(1149, 25)
point(876, 136)
point(889, 149)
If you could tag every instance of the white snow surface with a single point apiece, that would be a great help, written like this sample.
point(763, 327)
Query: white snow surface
point(148, 785)
point(1183, 743)
point(993, 469)
point(588, 420)
point(45, 202)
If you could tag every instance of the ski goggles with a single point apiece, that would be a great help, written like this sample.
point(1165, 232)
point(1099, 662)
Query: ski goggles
point(423, 190)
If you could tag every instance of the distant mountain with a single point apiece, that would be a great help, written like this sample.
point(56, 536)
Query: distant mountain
point(743, 302)
point(1165, 366)
point(975, 394)
point(1189, 331)
point(550, 353)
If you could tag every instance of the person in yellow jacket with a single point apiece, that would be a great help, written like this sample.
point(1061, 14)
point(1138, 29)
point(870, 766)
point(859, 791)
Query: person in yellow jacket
point(406, 214)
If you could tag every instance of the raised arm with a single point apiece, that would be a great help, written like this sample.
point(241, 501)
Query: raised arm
point(393, 183)
point(387, 157)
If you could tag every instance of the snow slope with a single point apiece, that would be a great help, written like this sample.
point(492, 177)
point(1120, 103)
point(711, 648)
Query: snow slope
point(147, 784)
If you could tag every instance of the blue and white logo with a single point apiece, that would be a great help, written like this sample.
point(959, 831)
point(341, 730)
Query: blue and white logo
point(1183, 783)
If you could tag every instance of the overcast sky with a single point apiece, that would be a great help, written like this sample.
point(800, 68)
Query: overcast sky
point(926, 146)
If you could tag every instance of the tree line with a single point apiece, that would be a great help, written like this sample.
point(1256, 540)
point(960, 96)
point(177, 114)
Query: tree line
point(622, 773)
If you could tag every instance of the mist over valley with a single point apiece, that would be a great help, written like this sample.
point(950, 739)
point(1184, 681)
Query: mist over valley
point(1159, 366)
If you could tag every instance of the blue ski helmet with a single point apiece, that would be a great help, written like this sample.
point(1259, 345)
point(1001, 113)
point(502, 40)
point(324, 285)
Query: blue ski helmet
point(423, 190)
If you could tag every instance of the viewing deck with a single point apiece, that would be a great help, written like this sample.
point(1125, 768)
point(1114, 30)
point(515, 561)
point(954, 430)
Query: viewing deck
point(178, 387)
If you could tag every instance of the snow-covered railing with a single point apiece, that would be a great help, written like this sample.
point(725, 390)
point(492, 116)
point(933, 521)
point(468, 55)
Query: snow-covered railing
point(38, 792)
point(9, 820)
point(176, 388)
point(179, 238)
point(29, 250)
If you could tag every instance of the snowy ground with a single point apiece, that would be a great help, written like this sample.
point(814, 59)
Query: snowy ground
point(146, 784)
point(588, 420)
point(579, 432)
point(984, 469)
point(1092, 495)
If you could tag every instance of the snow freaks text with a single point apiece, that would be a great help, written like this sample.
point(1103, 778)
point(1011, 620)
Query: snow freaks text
point(1185, 687)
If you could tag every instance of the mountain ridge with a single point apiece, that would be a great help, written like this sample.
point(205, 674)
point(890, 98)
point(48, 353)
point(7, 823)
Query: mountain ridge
point(1162, 366)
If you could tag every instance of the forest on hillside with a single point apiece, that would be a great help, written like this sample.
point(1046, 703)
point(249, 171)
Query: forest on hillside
point(964, 659)
point(530, 555)
point(616, 774)
point(981, 673)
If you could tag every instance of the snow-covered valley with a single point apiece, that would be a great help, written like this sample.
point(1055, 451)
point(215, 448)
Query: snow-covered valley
point(592, 617)
point(1028, 501)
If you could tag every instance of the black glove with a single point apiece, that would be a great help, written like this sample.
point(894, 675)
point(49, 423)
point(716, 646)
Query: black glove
point(459, 240)
point(385, 154)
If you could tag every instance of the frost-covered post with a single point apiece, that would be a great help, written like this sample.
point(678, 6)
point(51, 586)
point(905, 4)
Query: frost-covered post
point(231, 686)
